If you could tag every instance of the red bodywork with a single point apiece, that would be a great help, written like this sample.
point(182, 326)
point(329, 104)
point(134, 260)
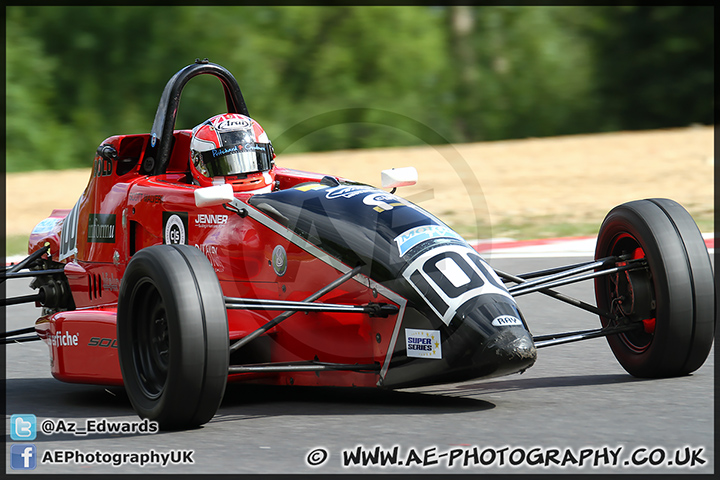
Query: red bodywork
point(120, 213)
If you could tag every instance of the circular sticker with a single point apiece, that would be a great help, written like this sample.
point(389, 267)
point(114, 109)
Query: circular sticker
point(174, 231)
point(279, 260)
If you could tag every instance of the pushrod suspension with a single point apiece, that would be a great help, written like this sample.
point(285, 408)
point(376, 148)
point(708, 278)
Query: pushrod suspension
point(285, 315)
point(560, 296)
point(17, 332)
point(562, 274)
point(28, 260)
point(302, 367)
point(525, 288)
point(11, 336)
point(566, 337)
point(553, 270)
point(36, 297)
point(31, 273)
point(372, 309)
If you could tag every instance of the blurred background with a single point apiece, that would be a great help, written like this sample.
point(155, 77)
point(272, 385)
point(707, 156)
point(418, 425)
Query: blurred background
point(76, 75)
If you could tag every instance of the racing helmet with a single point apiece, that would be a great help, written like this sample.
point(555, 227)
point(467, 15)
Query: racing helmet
point(231, 148)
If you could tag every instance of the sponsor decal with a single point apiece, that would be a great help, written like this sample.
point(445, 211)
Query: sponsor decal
point(204, 220)
point(103, 342)
point(347, 191)
point(101, 228)
point(63, 339)
point(423, 343)
point(222, 151)
point(68, 234)
point(211, 252)
point(145, 197)
point(103, 167)
point(279, 260)
point(46, 225)
point(256, 147)
point(379, 201)
point(175, 227)
point(110, 282)
point(415, 236)
point(506, 321)
point(233, 124)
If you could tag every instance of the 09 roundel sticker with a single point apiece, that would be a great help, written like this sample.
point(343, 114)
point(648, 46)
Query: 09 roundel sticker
point(175, 228)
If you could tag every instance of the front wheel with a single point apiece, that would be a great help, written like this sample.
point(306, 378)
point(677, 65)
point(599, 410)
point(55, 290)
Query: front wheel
point(172, 335)
point(674, 296)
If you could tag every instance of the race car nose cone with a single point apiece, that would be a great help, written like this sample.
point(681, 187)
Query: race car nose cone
point(510, 350)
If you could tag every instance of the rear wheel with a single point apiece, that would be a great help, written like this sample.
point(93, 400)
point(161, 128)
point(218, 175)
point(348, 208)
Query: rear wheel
point(173, 336)
point(674, 296)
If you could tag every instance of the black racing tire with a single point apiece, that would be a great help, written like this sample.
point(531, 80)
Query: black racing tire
point(172, 335)
point(677, 289)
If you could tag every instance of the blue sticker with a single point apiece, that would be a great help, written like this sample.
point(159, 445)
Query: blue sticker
point(46, 225)
point(415, 236)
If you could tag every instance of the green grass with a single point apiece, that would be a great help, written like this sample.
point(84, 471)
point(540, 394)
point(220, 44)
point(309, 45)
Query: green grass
point(16, 245)
point(706, 225)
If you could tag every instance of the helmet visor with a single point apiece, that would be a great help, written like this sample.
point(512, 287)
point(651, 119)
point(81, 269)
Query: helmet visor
point(238, 159)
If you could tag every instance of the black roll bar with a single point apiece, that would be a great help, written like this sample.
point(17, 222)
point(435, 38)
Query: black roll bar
point(161, 134)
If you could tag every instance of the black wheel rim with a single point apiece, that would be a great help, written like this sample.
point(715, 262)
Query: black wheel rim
point(631, 294)
point(151, 336)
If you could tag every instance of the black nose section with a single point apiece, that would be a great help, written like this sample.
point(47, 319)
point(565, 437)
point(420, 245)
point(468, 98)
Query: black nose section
point(486, 338)
point(509, 350)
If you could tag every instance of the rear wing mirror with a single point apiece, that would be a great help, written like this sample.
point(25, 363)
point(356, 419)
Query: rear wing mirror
point(215, 195)
point(399, 177)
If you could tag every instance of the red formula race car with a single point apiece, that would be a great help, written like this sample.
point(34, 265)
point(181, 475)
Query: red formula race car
point(191, 260)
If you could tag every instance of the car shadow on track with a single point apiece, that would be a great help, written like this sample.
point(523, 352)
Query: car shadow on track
point(47, 397)
point(252, 401)
point(244, 401)
point(510, 385)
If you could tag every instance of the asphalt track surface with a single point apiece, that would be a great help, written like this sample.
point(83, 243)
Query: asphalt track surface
point(575, 399)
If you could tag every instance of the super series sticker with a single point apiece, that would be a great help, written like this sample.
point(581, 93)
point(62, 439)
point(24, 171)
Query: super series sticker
point(423, 343)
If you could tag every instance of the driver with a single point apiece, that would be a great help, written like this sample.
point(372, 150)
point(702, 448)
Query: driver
point(232, 148)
